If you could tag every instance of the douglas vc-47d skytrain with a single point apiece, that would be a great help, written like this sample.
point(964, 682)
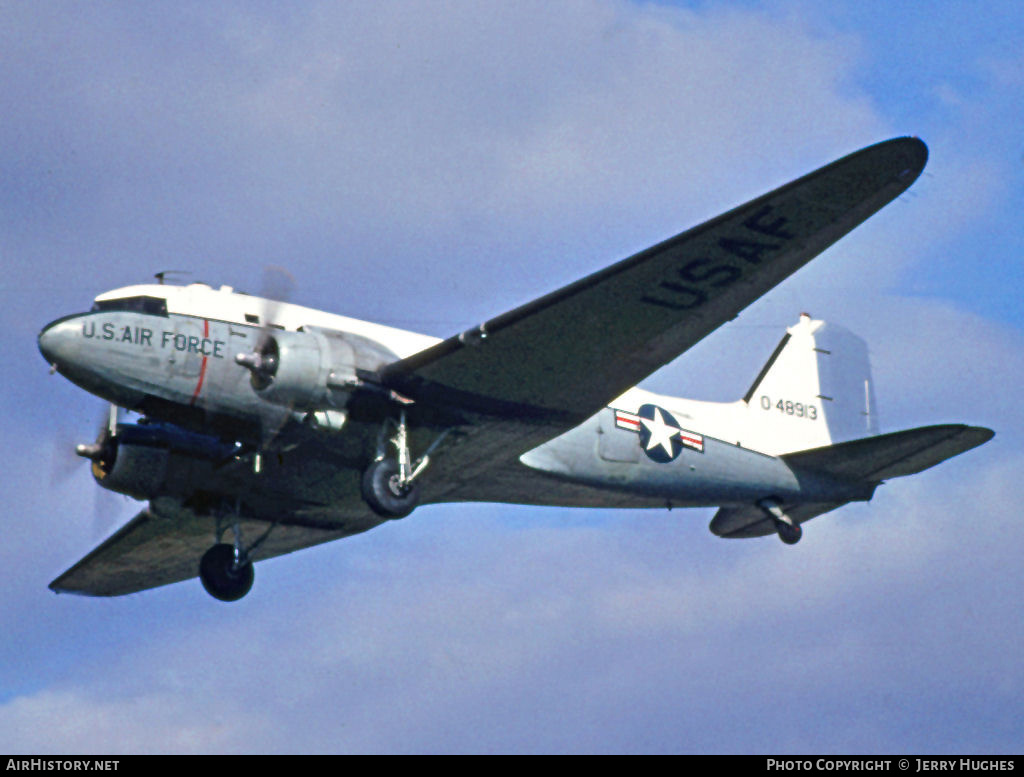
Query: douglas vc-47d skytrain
point(265, 427)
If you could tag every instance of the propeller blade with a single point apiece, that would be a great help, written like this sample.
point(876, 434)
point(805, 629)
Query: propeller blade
point(112, 415)
point(275, 290)
point(63, 462)
point(107, 512)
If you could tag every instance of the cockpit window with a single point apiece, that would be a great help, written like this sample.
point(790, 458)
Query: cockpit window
point(155, 306)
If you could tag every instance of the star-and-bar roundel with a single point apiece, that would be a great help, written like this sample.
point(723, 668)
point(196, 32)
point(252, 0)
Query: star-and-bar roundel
point(661, 436)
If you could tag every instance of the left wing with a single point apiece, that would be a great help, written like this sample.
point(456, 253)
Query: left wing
point(163, 544)
point(559, 359)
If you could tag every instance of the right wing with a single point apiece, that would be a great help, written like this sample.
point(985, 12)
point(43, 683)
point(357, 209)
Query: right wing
point(559, 359)
point(541, 369)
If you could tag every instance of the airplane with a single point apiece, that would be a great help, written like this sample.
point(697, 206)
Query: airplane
point(265, 427)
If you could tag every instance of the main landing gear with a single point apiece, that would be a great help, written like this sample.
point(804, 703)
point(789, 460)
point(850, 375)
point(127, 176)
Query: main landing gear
point(224, 576)
point(226, 569)
point(789, 531)
point(389, 484)
point(386, 492)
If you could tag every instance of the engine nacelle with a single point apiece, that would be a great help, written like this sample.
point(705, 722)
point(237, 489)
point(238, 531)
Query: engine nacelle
point(311, 369)
point(136, 470)
point(149, 460)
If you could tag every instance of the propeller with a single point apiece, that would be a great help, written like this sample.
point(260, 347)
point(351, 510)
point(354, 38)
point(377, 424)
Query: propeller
point(106, 511)
point(263, 360)
point(63, 461)
point(102, 451)
point(106, 506)
point(64, 464)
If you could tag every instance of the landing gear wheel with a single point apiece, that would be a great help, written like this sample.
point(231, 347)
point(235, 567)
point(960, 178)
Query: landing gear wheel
point(384, 493)
point(221, 578)
point(789, 534)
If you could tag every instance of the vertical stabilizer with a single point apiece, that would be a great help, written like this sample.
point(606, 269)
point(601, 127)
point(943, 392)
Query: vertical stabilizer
point(815, 390)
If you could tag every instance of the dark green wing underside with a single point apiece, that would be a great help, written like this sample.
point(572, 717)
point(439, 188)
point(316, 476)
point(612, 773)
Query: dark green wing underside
point(163, 544)
point(564, 356)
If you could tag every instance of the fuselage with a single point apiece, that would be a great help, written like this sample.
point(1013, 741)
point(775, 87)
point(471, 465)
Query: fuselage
point(172, 353)
point(179, 343)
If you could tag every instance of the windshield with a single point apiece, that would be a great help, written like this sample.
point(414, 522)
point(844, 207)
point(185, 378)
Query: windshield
point(155, 306)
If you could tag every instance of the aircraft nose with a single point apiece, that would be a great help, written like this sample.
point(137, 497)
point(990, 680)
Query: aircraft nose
point(56, 338)
point(48, 344)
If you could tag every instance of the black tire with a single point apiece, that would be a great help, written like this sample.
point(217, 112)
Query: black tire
point(789, 534)
point(383, 493)
point(221, 579)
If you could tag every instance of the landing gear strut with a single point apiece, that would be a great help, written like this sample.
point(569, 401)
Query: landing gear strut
point(789, 531)
point(388, 485)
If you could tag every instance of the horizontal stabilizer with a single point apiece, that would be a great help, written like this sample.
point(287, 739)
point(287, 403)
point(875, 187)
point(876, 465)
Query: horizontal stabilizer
point(892, 455)
point(751, 521)
point(870, 461)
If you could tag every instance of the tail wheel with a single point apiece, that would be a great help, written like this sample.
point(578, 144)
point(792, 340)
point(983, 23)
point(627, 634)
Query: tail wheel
point(789, 533)
point(222, 577)
point(384, 492)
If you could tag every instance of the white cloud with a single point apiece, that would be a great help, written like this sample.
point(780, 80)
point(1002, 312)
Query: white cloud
point(383, 134)
point(76, 722)
point(568, 109)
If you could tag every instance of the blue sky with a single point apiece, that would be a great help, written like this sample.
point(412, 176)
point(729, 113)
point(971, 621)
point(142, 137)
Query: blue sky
point(430, 165)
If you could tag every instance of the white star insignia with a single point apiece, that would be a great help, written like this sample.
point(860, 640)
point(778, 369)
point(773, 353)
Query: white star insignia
point(661, 433)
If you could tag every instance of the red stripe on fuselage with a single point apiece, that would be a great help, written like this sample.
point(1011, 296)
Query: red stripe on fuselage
point(693, 440)
point(202, 367)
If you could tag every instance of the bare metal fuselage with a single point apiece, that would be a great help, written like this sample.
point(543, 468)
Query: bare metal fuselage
point(180, 368)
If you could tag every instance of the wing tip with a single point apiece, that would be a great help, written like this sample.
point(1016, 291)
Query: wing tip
point(978, 435)
point(59, 588)
point(911, 156)
point(917, 153)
